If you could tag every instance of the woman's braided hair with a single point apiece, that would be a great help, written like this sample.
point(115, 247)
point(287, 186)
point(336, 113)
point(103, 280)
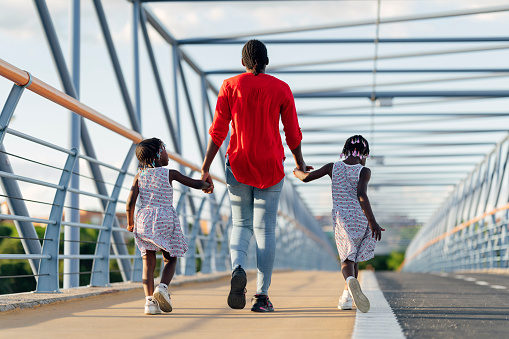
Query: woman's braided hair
point(147, 152)
point(254, 55)
point(357, 146)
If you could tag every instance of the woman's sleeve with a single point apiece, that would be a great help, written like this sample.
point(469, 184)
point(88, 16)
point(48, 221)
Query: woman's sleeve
point(222, 117)
point(291, 127)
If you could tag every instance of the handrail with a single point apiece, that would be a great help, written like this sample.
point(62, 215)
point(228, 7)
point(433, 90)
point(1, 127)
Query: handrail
point(38, 86)
point(456, 229)
point(41, 88)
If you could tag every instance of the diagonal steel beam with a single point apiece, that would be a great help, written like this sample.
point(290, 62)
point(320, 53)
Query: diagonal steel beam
point(68, 85)
point(159, 84)
point(133, 117)
point(166, 35)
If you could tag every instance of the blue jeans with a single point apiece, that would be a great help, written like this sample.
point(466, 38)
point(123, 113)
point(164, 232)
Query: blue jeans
point(254, 211)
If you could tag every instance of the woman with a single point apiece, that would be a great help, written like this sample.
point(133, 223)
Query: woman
point(253, 102)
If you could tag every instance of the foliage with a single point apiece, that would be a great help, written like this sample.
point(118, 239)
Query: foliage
point(389, 262)
point(15, 268)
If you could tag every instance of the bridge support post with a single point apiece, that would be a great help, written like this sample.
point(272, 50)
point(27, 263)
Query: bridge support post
point(209, 264)
point(10, 106)
point(190, 258)
point(48, 268)
point(101, 266)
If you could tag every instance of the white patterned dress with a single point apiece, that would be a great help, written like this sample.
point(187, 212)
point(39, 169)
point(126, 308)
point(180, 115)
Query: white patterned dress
point(351, 230)
point(157, 225)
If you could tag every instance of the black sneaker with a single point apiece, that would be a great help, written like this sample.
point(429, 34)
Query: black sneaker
point(261, 303)
point(237, 296)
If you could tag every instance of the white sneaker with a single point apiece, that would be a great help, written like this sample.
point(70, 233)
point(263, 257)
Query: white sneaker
point(345, 303)
point(163, 299)
point(361, 301)
point(151, 307)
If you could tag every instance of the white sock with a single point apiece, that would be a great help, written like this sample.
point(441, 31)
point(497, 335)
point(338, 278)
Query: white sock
point(149, 298)
point(163, 286)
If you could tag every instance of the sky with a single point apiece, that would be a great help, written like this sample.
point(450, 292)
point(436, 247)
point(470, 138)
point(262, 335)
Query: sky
point(23, 44)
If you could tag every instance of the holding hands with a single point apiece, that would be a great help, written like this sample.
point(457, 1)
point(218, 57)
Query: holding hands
point(300, 174)
point(205, 176)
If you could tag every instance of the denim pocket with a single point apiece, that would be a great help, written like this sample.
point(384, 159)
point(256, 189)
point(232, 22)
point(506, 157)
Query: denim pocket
point(230, 178)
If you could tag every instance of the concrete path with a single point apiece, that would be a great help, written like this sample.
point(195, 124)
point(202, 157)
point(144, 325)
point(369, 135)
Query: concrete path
point(305, 304)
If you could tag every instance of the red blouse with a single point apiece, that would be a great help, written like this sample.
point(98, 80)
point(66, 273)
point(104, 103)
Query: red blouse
point(254, 104)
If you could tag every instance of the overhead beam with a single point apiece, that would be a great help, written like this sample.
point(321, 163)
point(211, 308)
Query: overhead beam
point(348, 71)
point(397, 83)
point(340, 129)
point(345, 41)
point(403, 115)
point(359, 23)
point(388, 57)
point(403, 104)
point(413, 144)
point(397, 155)
point(405, 94)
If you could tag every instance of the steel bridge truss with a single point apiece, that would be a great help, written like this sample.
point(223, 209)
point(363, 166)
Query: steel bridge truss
point(301, 242)
point(471, 229)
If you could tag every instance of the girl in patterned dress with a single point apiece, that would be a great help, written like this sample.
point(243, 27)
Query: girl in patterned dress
point(157, 226)
point(355, 227)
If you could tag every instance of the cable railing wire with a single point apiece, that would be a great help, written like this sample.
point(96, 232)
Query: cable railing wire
point(30, 160)
point(22, 238)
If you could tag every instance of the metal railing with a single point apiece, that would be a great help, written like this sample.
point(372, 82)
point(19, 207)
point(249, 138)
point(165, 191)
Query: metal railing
point(471, 230)
point(206, 227)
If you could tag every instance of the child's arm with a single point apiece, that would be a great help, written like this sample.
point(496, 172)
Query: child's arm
point(131, 204)
point(362, 195)
point(310, 176)
point(184, 180)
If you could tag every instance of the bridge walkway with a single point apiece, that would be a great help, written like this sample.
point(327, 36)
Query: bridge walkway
point(305, 304)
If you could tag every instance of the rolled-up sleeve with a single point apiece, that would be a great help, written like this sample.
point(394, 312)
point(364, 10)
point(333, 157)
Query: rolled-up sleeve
point(291, 127)
point(222, 117)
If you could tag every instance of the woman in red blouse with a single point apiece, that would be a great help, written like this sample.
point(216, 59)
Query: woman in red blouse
point(253, 102)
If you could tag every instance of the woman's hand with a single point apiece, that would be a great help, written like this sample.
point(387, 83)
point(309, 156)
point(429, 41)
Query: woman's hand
point(299, 174)
point(205, 176)
point(303, 167)
point(130, 228)
point(376, 230)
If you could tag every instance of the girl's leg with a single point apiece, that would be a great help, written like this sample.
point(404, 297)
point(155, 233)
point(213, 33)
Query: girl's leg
point(170, 265)
point(348, 269)
point(266, 202)
point(346, 264)
point(149, 265)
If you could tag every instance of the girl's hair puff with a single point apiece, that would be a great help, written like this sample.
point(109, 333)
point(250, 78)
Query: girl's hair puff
point(254, 55)
point(147, 152)
point(356, 146)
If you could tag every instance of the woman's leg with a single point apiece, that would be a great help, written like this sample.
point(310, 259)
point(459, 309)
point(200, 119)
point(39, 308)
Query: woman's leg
point(170, 265)
point(241, 200)
point(266, 202)
point(149, 265)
